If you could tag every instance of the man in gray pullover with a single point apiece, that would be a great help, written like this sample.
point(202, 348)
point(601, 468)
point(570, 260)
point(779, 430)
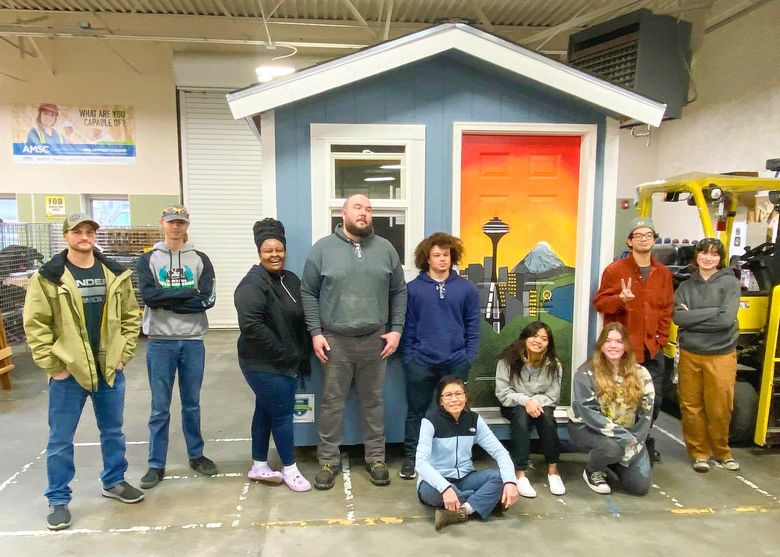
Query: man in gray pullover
point(354, 299)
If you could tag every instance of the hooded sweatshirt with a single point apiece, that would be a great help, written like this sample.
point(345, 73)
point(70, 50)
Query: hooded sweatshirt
point(177, 288)
point(353, 288)
point(442, 321)
point(709, 325)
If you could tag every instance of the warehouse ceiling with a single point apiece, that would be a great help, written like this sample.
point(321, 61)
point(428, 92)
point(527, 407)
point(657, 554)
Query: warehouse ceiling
point(324, 28)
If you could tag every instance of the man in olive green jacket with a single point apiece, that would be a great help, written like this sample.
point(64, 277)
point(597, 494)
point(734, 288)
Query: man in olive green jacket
point(82, 322)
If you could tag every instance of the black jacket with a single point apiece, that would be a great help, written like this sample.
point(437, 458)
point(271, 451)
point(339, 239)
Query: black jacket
point(273, 330)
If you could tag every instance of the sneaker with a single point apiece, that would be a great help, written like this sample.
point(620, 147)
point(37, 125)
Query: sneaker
point(524, 487)
point(59, 517)
point(701, 465)
point(152, 477)
point(296, 482)
point(556, 484)
point(204, 466)
point(730, 464)
point(265, 475)
point(378, 473)
point(407, 471)
point(655, 456)
point(124, 492)
point(596, 482)
point(443, 517)
point(326, 476)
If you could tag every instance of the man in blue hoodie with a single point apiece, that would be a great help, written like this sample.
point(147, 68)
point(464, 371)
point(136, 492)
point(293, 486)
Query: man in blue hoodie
point(177, 285)
point(441, 331)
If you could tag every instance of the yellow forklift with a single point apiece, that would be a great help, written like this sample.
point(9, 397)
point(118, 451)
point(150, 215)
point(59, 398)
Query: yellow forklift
point(721, 203)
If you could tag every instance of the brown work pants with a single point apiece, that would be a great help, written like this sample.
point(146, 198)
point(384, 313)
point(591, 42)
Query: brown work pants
point(706, 393)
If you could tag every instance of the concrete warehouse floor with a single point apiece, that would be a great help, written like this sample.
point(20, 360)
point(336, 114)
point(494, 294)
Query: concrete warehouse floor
point(720, 513)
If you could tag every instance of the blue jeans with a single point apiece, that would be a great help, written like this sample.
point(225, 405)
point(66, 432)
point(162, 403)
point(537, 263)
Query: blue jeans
point(482, 489)
point(274, 401)
point(163, 358)
point(421, 382)
point(66, 401)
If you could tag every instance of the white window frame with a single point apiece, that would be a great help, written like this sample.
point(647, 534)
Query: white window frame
point(88, 199)
point(411, 137)
point(11, 197)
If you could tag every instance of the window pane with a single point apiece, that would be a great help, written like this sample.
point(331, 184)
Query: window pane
point(378, 178)
point(8, 210)
point(110, 212)
point(391, 227)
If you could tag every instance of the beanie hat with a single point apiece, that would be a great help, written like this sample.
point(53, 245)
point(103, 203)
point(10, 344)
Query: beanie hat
point(268, 228)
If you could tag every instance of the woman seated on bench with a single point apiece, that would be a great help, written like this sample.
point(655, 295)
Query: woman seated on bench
point(610, 414)
point(447, 477)
point(528, 386)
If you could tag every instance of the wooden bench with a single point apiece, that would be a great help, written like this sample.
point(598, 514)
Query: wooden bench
point(6, 363)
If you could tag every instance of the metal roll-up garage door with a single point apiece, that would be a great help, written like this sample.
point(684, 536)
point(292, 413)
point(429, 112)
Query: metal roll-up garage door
point(222, 178)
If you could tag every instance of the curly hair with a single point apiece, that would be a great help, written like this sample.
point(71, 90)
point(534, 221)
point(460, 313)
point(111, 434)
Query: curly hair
point(441, 240)
point(604, 374)
point(516, 354)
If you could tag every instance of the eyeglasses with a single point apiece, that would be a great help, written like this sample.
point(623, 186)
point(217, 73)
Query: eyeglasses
point(646, 236)
point(454, 394)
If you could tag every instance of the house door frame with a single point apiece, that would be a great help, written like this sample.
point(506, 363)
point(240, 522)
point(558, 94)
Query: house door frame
point(585, 204)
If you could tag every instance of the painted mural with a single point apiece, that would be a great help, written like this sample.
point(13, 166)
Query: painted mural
point(519, 206)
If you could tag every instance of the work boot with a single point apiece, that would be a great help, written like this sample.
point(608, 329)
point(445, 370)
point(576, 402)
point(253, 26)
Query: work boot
point(326, 477)
point(444, 517)
point(377, 472)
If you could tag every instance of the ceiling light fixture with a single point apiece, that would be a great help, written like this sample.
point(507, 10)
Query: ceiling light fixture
point(267, 73)
point(379, 179)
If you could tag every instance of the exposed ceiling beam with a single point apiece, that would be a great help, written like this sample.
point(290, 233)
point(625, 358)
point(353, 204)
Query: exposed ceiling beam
point(610, 9)
point(357, 15)
point(730, 14)
point(481, 17)
point(49, 67)
point(386, 34)
point(223, 9)
point(11, 30)
point(20, 47)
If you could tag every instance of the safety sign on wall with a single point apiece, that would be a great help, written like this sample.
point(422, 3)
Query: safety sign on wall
point(55, 206)
point(303, 410)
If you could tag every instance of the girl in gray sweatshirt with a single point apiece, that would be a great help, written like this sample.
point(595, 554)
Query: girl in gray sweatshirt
point(705, 310)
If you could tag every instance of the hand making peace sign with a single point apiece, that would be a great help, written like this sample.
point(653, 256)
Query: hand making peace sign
point(625, 293)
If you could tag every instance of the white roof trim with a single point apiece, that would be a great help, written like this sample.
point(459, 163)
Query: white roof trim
point(450, 36)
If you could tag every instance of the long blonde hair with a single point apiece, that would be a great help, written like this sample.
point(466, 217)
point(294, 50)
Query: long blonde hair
point(632, 388)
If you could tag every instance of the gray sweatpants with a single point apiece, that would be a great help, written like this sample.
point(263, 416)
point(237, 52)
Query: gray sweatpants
point(353, 359)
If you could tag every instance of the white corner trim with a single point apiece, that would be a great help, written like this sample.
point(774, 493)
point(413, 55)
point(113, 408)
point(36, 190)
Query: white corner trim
point(586, 202)
point(268, 153)
point(610, 188)
point(406, 50)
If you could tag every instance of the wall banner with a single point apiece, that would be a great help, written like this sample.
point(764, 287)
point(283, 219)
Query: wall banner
point(49, 133)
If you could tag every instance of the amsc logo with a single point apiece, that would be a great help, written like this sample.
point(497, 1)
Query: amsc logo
point(36, 150)
point(302, 406)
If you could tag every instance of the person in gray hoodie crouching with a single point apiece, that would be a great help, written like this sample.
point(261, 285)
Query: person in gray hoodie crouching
point(177, 285)
point(705, 309)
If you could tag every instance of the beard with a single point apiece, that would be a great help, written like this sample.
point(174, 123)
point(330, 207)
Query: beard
point(353, 229)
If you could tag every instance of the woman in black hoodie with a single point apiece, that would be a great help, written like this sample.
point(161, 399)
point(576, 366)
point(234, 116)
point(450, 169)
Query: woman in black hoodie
point(273, 350)
point(705, 309)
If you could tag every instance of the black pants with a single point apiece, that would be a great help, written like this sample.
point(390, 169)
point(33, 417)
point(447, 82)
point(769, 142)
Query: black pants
point(520, 427)
point(655, 365)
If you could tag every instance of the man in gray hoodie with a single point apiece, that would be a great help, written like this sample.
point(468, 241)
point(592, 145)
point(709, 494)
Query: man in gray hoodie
point(177, 285)
point(354, 299)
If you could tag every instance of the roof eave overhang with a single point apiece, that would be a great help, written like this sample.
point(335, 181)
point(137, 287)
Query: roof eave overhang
point(424, 44)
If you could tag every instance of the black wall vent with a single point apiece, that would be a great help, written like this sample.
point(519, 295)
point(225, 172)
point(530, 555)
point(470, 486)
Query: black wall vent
point(647, 53)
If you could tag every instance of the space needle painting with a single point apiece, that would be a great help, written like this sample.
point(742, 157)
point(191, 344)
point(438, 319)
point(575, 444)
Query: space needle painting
point(495, 229)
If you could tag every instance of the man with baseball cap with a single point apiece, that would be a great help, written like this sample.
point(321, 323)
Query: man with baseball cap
point(177, 285)
point(637, 291)
point(81, 299)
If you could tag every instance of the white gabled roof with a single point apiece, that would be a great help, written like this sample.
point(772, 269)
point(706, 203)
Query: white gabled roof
point(423, 44)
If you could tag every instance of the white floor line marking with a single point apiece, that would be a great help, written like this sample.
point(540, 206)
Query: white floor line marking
point(349, 498)
point(750, 484)
point(226, 440)
point(240, 506)
point(671, 436)
point(672, 499)
point(220, 475)
point(12, 479)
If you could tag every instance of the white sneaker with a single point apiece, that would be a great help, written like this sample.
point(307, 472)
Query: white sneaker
point(524, 487)
point(596, 482)
point(556, 484)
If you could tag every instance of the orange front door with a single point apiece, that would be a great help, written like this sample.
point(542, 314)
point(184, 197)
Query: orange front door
point(519, 201)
